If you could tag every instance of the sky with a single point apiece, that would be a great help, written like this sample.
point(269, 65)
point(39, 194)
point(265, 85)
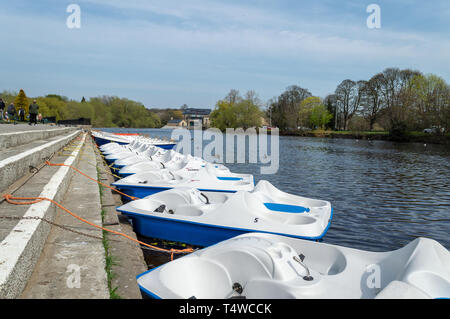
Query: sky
point(166, 53)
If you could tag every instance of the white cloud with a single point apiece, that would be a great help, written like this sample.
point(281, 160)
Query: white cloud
point(198, 10)
point(244, 29)
point(239, 42)
point(279, 37)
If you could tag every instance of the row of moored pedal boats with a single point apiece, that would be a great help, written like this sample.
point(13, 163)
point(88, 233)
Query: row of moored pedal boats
point(260, 242)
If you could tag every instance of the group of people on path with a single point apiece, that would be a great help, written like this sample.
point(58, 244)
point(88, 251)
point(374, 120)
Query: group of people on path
point(11, 114)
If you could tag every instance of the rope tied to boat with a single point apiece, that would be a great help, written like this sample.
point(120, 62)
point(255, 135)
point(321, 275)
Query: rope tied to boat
point(34, 200)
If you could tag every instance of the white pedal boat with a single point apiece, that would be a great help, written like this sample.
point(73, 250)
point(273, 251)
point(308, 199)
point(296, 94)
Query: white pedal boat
point(203, 219)
point(156, 154)
point(102, 138)
point(208, 178)
point(160, 158)
point(266, 266)
point(116, 146)
point(140, 148)
point(179, 165)
point(112, 148)
point(147, 152)
point(107, 146)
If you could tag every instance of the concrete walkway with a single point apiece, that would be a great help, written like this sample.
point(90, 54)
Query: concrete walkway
point(15, 161)
point(22, 229)
point(71, 265)
point(25, 134)
point(9, 128)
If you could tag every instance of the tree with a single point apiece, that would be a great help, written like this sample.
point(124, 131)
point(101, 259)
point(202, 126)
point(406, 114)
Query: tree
point(176, 114)
point(285, 109)
point(78, 109)
point(59, 97)
point(8, 96)
point(253, 98)
point(53, 106)
point(330, 103)
point(102, 113)
point(398, 95)
point(304, 113)
point(372, 99)
point(430, 101)
point(348, 99)
point(235, 111)
point(313, 113)
point(223, 115)
point(21, 101)
point(128, 113)
point(248, 113)
point(320, 116)
point(233, 97)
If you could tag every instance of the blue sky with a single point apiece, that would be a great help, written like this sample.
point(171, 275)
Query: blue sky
point(165, 53)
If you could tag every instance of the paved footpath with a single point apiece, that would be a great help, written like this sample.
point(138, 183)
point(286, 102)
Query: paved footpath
point(71, 265)
point(11, 128)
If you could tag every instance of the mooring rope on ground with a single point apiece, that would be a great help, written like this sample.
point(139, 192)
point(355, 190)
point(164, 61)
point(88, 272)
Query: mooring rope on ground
point(33, 200)
point(106, 164)
point(64, 227)
point(103, 170)
point(93, 179)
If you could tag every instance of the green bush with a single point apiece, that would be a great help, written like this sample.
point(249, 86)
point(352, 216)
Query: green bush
point(399, 131)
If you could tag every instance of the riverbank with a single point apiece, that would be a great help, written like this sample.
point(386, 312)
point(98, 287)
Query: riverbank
point(409, 137)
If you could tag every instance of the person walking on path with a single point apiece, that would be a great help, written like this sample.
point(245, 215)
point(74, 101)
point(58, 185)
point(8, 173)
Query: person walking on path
point(22, 114)
point(2, 109)
point(12, 113)
point(34, 109)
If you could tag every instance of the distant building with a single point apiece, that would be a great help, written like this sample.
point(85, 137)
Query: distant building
point(176, 124)
point(197, 118)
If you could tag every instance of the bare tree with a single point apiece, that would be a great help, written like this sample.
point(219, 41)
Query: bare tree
point(285, 109)
point(372, 100)
point(290, 101)
point(253, 97)
point(233, 97)
point(348, 99)
point(397, 94)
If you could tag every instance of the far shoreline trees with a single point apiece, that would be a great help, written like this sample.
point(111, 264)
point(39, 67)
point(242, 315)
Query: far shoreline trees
point(104, 111)
point(393, 100)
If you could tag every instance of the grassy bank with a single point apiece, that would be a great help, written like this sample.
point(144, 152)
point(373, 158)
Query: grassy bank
point(408, 137)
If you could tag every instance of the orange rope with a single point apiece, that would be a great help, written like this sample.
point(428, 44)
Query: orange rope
point(33, 200)
point(93, 179)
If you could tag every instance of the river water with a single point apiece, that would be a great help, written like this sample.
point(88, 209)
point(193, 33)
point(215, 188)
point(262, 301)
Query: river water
point(383, 194)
